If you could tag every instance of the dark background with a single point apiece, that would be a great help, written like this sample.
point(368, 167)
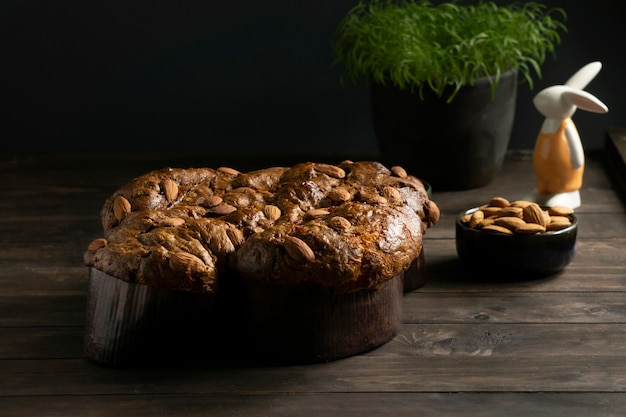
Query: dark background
point(244, 76)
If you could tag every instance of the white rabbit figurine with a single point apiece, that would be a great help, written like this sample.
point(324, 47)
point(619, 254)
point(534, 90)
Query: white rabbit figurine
point(558, 156)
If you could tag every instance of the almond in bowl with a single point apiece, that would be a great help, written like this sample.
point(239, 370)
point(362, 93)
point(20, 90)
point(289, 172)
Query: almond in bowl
point(516, 240)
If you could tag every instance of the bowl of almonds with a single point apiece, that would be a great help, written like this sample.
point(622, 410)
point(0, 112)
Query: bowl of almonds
point(518, 239)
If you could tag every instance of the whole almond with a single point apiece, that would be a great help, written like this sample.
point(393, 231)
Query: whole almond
point(487, 222)
point(223, 209)
point(187, 263)
point(371, 196)
point(97, 244)
point(432, 212)
point(532, 213)
point(330, 170)
point(170, 189)
point(511, 211)
point(520, 203)
point(399, 171)
point(558, 223)
point(339, 223)
point(392, 195)
point(339, 194)
point(272, 212)
point(298, 250)
point(560, 220)
point(171, 222)
point(476, 217)
point(556, 227)
point(236, 236)
point(213, 201)
point(121, 207)
point(316, 213)
point(416, 181)
point(491, 210)
point(228, 170)
point(510, 222)
point(530, 229)
point(499, 202)
point(560, 211)
point(493, 228)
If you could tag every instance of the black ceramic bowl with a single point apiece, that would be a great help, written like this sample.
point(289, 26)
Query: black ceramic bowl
point(512, 256)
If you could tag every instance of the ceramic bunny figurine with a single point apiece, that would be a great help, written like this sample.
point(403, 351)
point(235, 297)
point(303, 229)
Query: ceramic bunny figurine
point(558, 157)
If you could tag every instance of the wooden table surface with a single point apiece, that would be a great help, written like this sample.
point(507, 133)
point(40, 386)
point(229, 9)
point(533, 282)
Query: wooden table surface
point(549, 347)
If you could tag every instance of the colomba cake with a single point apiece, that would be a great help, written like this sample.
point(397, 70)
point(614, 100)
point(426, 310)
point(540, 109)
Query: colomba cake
point(309, 260)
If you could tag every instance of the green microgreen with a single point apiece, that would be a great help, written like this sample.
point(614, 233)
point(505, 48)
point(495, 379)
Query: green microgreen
point(413, 44)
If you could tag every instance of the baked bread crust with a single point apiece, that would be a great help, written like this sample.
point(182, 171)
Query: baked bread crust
point(349, 226)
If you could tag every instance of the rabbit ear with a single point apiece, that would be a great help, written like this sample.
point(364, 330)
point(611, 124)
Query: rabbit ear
point(584, 100)
point(583, 76)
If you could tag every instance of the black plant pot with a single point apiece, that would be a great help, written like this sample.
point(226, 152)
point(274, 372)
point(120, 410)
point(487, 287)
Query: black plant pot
point(454, 146)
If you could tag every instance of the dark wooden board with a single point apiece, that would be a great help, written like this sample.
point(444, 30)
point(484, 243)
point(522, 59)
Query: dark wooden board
point(448, 404)
point(560, 372)
point(551, 347)
point(415, 340)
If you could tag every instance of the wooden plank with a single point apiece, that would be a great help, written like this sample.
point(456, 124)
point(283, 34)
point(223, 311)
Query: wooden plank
point(424, 340)
point(52, 254)
point(415, 341)
point(542, 307)
point(362, 373)
point(418, 307)
point(59, 310)
point(41, 342)
point(551, 346)
point(314, 404)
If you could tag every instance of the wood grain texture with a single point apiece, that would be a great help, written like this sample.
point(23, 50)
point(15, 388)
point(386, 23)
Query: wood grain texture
point(467, 345)
point(452, 404)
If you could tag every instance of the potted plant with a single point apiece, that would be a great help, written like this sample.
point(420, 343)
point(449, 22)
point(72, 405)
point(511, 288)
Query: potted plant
point(443, 79)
